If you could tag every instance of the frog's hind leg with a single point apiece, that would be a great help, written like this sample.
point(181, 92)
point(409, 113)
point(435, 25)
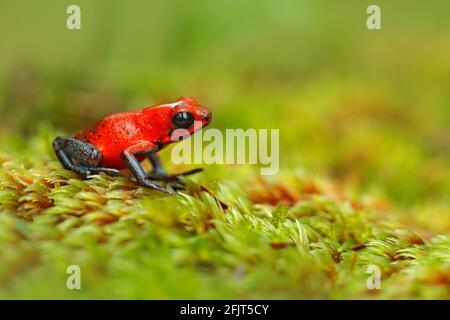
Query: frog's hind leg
point(80, 157)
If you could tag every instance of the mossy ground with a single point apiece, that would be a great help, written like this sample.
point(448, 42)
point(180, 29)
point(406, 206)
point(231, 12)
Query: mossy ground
point(292, 236)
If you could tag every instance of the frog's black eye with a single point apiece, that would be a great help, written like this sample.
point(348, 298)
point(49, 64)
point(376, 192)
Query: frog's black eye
point(183, 119)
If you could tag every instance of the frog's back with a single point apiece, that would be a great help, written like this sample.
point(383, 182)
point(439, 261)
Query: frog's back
point(112, 135)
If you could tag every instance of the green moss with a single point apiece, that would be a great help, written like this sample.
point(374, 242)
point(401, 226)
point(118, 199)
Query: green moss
point(291, 236)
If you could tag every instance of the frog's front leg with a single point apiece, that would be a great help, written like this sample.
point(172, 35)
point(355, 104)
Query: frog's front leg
point(79, 157)
point(158, 168)
point(132, 163)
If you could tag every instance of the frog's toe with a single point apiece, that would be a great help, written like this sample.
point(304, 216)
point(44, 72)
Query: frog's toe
point(177, 185)
point(172, 177)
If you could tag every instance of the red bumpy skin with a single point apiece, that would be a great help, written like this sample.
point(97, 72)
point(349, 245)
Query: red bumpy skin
point(143, 128)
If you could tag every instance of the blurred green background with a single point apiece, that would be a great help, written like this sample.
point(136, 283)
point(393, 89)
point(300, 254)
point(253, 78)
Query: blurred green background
point(369, 109)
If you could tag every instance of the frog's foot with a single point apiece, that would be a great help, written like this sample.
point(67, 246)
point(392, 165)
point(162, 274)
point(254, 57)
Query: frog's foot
point(173, 180)
point(160, 175)
point(110, 171)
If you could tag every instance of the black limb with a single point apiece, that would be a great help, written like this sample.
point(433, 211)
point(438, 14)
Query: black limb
point(85, 155)
point(173, 177)
point(138, 172)
point(156, 164)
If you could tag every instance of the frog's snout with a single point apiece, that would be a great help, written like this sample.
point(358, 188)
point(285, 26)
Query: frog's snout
point(207, 117)
point(204, 115)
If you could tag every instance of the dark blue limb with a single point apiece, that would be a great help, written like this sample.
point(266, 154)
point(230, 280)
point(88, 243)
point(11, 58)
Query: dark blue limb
point(138, 172)
point(79, 157)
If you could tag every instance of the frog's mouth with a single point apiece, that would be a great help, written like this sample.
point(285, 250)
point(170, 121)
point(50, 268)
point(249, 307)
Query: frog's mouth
point(207, 119)
point(204, 116)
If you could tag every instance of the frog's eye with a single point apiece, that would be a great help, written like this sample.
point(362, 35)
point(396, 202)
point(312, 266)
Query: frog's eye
point(183, 119)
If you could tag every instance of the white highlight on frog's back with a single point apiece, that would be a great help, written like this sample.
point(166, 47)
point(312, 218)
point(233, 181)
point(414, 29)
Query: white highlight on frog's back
point(172, 105)
point(236, 146)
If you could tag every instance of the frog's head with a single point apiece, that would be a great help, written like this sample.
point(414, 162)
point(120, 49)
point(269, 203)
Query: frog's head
point(188, 114)
point(178, 120)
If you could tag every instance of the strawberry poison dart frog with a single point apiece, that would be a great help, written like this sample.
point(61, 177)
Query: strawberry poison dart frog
point(123, 140)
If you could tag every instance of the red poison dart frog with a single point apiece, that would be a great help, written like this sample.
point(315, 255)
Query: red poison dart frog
point(123, 140)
